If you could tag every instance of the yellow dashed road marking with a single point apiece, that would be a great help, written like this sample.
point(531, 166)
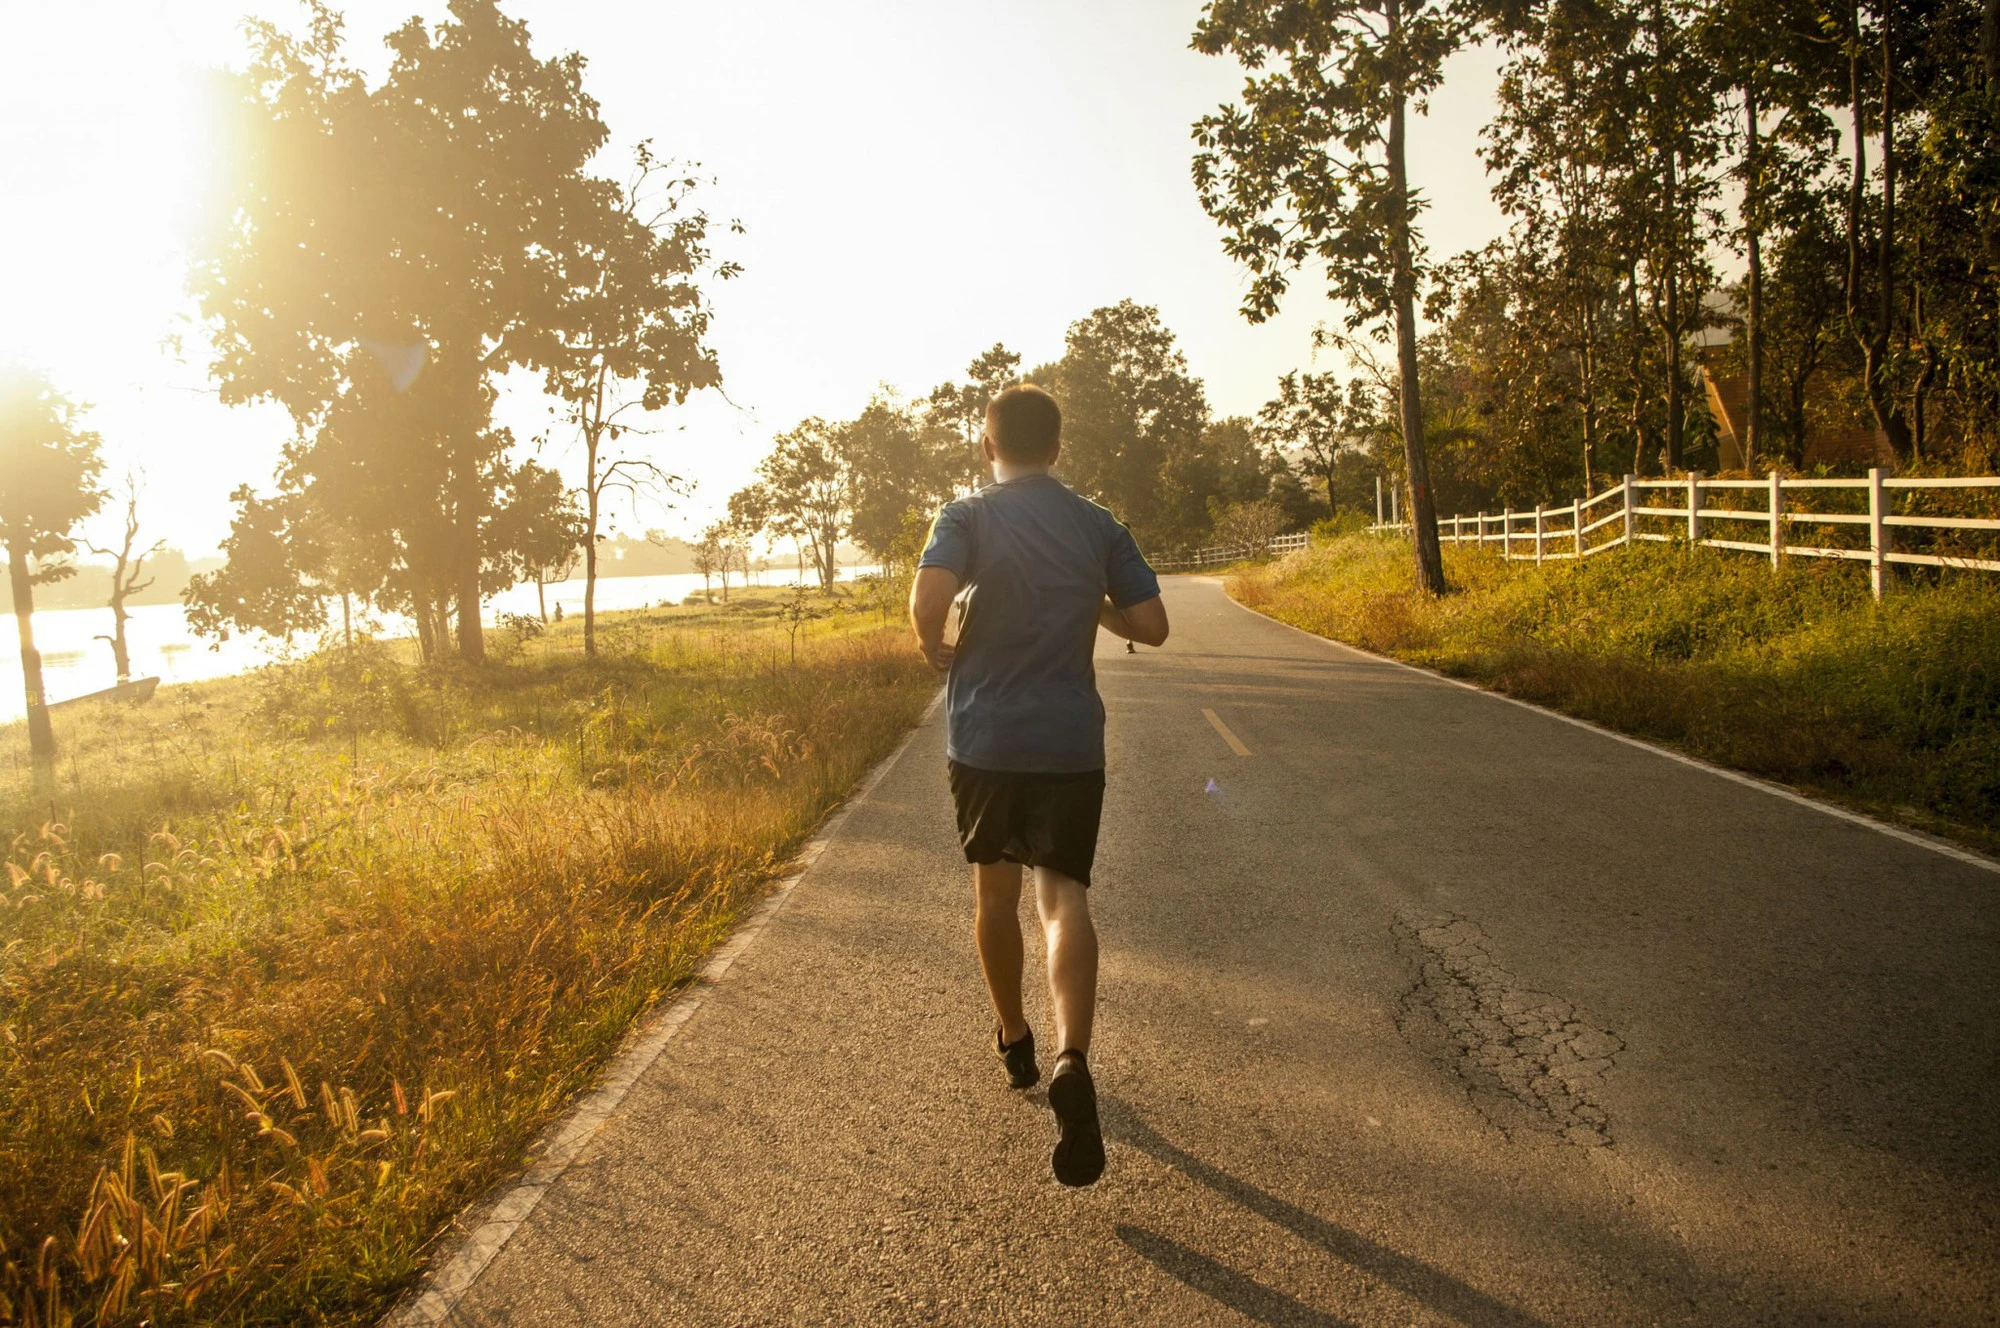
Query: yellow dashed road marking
point(1235, 743)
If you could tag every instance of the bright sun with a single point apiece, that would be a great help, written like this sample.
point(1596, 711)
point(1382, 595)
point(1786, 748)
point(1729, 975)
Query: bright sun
point(100, 129)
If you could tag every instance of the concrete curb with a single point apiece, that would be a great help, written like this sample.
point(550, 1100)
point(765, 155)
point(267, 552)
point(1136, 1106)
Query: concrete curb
point(1943, 847)
point(469, 1256)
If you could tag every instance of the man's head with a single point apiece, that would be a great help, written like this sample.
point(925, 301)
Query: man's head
point(1023, 427)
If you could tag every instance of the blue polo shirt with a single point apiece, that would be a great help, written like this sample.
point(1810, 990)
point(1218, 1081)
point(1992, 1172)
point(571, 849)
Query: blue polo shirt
point(1038, 560)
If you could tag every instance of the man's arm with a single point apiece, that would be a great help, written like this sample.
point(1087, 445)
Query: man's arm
point(930, 604)
point(1144, 622)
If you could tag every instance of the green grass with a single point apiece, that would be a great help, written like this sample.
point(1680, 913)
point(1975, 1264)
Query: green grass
point(294, 966)
point(1800, 677)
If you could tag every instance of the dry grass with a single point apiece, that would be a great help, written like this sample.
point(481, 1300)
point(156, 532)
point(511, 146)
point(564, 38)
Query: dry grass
point(1893, 708)
point(292, 968)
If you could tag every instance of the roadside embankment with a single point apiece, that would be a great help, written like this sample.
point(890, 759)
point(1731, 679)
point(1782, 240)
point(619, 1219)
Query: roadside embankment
point(1892, 708)
point(294, 965)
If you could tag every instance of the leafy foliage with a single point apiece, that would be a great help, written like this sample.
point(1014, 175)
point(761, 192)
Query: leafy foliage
point(385, 252)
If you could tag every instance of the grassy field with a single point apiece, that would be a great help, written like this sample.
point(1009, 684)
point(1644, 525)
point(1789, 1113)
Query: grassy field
point(1800, 677)
point(293, 966)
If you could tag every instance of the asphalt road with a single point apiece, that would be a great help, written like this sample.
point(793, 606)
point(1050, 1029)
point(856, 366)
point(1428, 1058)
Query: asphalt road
point(1431, 1009)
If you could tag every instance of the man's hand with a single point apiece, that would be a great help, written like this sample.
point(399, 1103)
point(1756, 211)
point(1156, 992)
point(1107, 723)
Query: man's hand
point(931, 595)
point(1144, 622)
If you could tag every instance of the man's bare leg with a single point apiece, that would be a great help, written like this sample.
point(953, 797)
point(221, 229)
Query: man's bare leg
point(1072, 937)
point(996, 929)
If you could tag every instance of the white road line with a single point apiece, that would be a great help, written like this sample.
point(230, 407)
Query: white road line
point(1235, 743)
point(1919, 839)
point(454, 1275)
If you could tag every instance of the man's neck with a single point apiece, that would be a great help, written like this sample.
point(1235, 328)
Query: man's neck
point(1011, 470)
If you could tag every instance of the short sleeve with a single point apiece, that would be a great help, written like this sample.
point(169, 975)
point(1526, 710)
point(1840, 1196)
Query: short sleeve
point(1128, 578)
point(950, 545)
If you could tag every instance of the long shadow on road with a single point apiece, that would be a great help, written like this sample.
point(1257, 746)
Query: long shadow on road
point(1223, 1284)
point(1434, 1288)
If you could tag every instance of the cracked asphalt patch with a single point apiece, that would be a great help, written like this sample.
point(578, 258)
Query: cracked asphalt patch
point(1526, 1058)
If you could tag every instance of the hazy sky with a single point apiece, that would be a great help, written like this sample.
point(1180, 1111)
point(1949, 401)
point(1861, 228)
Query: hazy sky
point(918, 179)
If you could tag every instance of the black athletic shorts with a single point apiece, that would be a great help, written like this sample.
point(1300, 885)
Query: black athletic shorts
point(1035, 820)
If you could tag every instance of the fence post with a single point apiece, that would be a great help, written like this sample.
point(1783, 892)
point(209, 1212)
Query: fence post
point(1395, 505)
point(1538, 534)
point(1777, 521)
point(1507, 535)
point(1576, 522)
point(1628, 509)
point(1878, 534)
point(1378, 502)
point(1482, 530)
point(1694, 507)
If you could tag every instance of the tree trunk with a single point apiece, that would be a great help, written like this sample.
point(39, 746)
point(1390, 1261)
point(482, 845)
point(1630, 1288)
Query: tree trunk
point(1587, 362)
point(426, 630)
point(1635, 340)
point(823, 555)
point(471, 635)
point(1880, 395)
point(541, 597)
point(1989, 46)
point(1666, 253)
point(1927, 376)
point(1989, 57)
point(1874, 340)
point(1753, 228)
point(1672, 322)
point(121, 653)
point(41, 734)
point(593, 436)
point(1857, 178)
point(1423, 512)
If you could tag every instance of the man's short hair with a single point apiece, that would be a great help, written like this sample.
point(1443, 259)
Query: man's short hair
point(1026, 425)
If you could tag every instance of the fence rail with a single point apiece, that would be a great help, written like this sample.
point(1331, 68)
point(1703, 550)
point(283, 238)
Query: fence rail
point(1217, 554)
point(1571, 532)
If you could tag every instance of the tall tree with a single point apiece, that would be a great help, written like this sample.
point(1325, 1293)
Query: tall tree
point(631, 336)
point(274, 576)
point(1872, 76)
point(1132, 415)
point(49, 482)
point(895, 473)
point(1305, 422)
point(805, 490)
point(423, 223)
point(128, 566)
point(1561, 155)
point(1770, 52)
point(955, 415)
point(1314, 166)
point(538, 529)
point(1680, 146)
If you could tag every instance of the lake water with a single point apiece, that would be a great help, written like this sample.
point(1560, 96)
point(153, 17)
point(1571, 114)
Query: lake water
point(75, 663)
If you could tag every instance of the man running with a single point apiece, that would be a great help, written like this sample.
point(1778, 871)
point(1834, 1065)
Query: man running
point(1025, 728)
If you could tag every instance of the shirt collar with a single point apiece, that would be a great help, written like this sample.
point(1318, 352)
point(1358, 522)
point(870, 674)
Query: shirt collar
point(1003, 471)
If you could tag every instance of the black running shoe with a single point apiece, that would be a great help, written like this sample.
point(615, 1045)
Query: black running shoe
point(1079, 1155)
point(1019, 1059)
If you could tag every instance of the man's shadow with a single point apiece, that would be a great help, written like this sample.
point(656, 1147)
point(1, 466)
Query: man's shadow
point(1435, 1289)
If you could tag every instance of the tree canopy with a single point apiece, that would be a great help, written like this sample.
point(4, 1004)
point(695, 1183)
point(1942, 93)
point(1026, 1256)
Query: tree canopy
point(386, 252)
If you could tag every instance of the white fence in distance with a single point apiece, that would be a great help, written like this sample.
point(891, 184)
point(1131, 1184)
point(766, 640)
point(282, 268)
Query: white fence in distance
point(1573, 532)
point(1216, 555)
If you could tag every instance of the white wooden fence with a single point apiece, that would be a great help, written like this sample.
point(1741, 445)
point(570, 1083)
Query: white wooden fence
point(1229, 553)
point(1621, 515)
